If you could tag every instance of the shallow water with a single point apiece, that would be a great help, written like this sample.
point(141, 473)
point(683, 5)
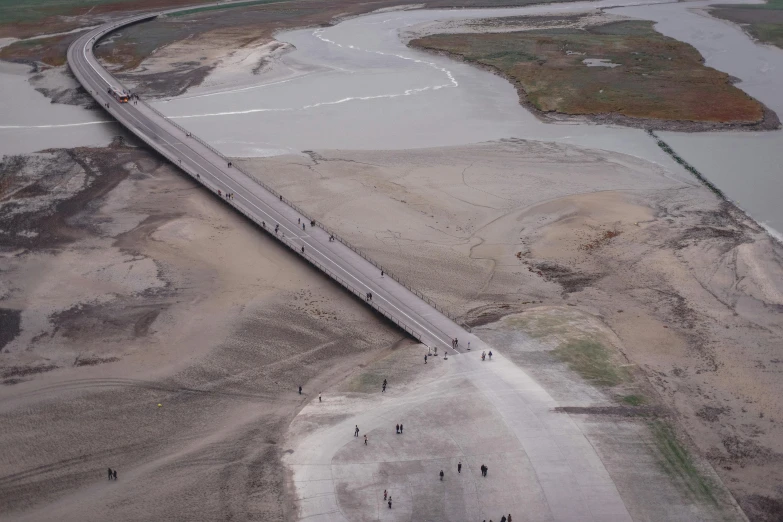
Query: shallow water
point(30, 122)
point(747, 166)
point(357, 86)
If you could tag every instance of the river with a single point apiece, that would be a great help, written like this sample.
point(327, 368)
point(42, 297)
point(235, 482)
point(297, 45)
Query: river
point(356, 85)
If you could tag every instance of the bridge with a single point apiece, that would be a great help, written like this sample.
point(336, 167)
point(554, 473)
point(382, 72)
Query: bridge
point(272, 212)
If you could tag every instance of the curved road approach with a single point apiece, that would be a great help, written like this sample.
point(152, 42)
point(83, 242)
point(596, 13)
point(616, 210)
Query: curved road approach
point(336, 258)
point(566, 479)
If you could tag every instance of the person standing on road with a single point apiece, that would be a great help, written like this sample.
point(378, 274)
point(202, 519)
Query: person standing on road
point(441, 474)
point(459, 467)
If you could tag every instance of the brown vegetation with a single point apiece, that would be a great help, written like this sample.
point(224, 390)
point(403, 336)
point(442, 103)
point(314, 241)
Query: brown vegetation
point(656, 79)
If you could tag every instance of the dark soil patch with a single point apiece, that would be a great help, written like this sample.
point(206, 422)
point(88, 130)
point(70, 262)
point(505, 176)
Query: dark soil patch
point(570, 281)
point(711, 413)
point(54, 225)
point(9, 325)
point(760, 508)
point(24, 371)
point(93, 361)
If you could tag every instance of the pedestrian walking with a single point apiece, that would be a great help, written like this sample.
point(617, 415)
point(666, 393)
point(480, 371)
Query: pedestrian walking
point(389, 503)
point(503, 518)
point(441, 474)
point(298, 220)
point(356, 431)
point(384, 382)
point(397, 429)
point(303, 226)
point(303, 250)
point(384, 494)
point(300, 390)
point(485, 470)
point(114, 474)
point(383, 388)
point(109, 473)
point(381, 273)
point(425, 358)
point(490, 355)
point(365, 440)
point(459, 467)
point(319, 397)
point(400, 427)
point(509, 517)
point(468, 345)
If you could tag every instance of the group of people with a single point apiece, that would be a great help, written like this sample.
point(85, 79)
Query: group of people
point(399, 429)
point(388, 499)
point(503, 518)
point(455, 343)
point(484, 355)
point(112, 474)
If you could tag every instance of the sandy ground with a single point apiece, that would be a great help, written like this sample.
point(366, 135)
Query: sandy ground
point(690, 287)
point(125, 286)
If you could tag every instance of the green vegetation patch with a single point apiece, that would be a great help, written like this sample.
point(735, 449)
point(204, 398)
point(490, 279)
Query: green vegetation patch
point(655, 77)
point(592, 361)
point(633, 400)
point(678, 463)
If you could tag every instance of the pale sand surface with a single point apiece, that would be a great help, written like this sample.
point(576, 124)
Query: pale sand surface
point(143, 289)
point(165, 296)
point(689, 287)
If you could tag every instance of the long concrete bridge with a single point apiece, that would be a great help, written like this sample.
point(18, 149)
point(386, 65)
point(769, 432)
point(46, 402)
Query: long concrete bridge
point(271, 211)
point(566, 479)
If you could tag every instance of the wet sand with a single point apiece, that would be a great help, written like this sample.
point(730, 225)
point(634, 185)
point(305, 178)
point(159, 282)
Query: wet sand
point(498, 229)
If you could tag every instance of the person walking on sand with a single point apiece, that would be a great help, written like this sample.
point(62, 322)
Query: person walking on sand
point(356, 431)
point(441, 474)
point(459, 467)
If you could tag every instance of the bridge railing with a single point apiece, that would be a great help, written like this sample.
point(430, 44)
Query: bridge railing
point(301, 211)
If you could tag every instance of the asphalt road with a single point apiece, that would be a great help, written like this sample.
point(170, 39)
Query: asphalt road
point(336, 258)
